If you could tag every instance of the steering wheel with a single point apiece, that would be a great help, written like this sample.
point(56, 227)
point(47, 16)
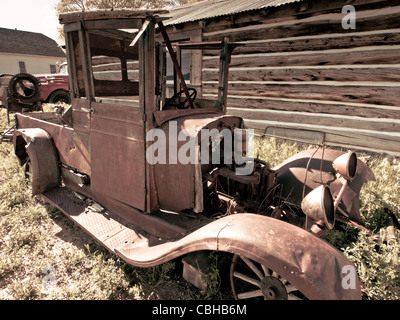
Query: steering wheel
point(176, 99)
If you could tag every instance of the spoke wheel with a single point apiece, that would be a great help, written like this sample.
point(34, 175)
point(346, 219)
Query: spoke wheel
point(251, 280)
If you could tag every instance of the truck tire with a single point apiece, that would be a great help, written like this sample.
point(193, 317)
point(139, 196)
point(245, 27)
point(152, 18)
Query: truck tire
point(25, 88)
point(59, 96)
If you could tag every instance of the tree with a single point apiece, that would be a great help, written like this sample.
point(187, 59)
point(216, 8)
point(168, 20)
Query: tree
point(85, 5)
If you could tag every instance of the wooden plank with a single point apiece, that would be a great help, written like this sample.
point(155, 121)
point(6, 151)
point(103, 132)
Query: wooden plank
point(130, 65)
point(357, 56)
point(379, 73)
point(299, 135)
point(362, 92)
point(115, 34)
point(116, 88)
point(133, 75)
point(87, 77)
point(72, 65)
point(370, 140)
point(101, 45)
point(108, 67)
point(113, 24)
point(315, 106)
point(321, 42)
point(141, 31)
point(98, 60)
point(331, 23)
point(197, 61)
point(320, 119)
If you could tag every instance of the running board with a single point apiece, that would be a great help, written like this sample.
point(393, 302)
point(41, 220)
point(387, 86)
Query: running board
point(125, 239)
point(105, 227)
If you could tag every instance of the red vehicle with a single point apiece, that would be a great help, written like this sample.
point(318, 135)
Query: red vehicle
point(55, 87)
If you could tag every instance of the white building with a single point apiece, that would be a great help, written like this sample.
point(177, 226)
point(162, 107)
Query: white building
point(22, 51)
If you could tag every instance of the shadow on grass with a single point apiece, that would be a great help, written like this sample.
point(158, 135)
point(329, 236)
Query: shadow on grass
point(162, 282)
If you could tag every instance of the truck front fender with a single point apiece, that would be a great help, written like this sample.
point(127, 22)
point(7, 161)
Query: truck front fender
point(309, 169)
point(312, 265)
point(36, 146)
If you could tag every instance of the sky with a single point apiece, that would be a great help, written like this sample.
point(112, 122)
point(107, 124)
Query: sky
point(30, 15)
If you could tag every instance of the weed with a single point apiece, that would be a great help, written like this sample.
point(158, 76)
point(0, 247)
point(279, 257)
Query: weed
point(378, 265)
point(26, 289)
point(212, 277)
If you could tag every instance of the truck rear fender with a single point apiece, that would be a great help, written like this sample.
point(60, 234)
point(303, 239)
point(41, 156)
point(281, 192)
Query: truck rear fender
point(36, 146)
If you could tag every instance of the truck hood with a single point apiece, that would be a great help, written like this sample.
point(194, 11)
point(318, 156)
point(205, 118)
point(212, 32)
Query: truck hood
point(52, 76)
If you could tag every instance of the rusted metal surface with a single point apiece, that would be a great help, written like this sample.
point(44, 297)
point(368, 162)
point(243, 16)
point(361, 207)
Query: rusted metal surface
point(306, 261)
point(174, 193)
point(35, 148)
point(117, 154)
point(230, 234)
point(72, 145)
point(309, 169)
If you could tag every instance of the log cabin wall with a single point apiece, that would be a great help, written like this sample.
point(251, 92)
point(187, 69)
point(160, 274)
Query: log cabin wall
point(301, 74)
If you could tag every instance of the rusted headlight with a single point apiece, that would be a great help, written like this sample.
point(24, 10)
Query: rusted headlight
point(319, 206)
point(346, 165)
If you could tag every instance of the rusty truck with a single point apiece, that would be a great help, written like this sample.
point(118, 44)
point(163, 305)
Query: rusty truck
point(154, 175)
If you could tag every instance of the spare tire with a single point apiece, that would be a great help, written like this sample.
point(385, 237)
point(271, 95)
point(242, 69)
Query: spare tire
point(25, 88)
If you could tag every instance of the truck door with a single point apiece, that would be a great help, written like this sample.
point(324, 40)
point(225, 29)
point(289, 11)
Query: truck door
point(117, 129)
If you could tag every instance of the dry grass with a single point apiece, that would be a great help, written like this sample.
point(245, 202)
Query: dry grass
point(35, 237)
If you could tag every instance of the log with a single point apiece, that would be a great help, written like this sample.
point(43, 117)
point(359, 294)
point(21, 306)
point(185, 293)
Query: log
point(319, 119)
point(357, 56)
point(378, 73)
point(369, 140)
point(315, 106)
point(361, 92)
point(321, 42)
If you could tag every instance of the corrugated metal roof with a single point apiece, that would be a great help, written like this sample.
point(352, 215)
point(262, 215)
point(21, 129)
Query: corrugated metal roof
point(215, 8)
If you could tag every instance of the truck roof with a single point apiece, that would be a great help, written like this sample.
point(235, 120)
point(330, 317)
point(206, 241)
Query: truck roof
point(71, 17)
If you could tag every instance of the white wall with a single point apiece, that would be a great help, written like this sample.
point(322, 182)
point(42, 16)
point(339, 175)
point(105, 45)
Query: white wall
point(9, 63)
